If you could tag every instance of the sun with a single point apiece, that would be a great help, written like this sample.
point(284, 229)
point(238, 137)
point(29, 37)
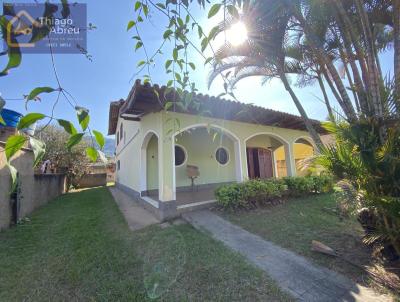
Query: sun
point(237, 34)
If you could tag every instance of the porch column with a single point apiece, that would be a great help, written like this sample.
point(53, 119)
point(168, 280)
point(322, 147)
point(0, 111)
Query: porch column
point(243, 156)
point(166, 176)
point(289, 159)
point(239, 161)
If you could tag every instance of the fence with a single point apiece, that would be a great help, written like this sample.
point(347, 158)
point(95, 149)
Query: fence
point(32, 192)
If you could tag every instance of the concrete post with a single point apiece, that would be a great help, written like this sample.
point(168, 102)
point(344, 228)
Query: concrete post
point(289, 158)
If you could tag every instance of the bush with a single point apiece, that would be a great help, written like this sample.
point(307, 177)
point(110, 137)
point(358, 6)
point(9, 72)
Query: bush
point(230, 196)
point(256, 192)
point(259, 191)
point(299, 186)
point(323, 183)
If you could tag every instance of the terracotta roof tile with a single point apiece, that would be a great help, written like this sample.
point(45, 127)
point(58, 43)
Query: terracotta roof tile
point(143, 99)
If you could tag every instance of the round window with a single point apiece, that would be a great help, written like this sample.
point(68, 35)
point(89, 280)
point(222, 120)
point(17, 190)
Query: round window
point(180, 156)
point(222, 156)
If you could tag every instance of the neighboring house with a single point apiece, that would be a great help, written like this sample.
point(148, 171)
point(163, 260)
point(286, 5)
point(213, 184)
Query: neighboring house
point(228, 141)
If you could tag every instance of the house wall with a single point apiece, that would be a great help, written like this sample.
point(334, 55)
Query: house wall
point(132, 173)
point(129, 151)
point(300, 151)
point(201, 146)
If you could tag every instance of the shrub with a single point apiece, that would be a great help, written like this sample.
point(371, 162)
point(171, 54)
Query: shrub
point(230, 196)
point(251, 193)
point(298, 186)
point(322, 183)
point(259, 191)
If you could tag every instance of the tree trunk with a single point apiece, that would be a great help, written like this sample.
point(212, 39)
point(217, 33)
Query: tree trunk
point(326, 99)
point(372, 68)
point(350, 38)
point(346, 104)
point(311, 130)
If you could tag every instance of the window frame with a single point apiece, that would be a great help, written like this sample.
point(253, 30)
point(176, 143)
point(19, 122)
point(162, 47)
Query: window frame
point(227, 152)
point(186, 155)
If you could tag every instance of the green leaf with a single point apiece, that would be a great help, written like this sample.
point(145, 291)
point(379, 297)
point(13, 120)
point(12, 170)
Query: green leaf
point(145, 10)
point(204, 44)
point(39, 149)
point(2, 120)
point(141, 63)
point(167, 34)
point(14, 176)
point(138, 45)
point(192, 66)
point(74, 140)
point(13, 145)
point(130, 25)
point(83, 117)
point(161, 5)
point(175, 54)
point(2, 104)
point(35, 92)
point(91, 153)
point(208, 60)
point(200, 31)
point(214, 10)
point(99, 138)
point(29, 119)
point(168, 105)
point(68, 126)
point(233, 11)
point(213, 33)
point(138, 4)
point(168, 64)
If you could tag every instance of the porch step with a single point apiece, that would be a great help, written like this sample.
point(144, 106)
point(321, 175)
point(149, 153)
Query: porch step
point(195, 206)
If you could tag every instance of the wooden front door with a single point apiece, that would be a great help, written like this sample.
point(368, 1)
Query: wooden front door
point(265, 163)
point(259, 163)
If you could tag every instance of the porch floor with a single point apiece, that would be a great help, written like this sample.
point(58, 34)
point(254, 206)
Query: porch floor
point(189, 197)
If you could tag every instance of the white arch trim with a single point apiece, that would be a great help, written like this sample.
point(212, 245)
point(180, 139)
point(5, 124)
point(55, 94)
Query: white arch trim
point(288, 152)
point(308, 139)
point(205, 125)
point(143, 158)
point(233, 136)
point(274, 135)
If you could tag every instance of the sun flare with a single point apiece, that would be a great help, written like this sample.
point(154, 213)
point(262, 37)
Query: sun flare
point(237, 34)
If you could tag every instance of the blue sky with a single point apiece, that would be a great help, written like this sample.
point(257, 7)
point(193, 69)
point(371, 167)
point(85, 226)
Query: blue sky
point(108, 77)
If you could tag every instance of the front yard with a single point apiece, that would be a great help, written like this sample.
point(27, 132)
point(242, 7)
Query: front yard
point(295, 223)
point(79, 248)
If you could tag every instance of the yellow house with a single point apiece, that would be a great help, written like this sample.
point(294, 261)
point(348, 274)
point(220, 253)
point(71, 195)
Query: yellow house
point(215, 141)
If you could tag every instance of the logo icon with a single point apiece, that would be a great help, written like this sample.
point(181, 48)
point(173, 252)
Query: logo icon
point(24, 24)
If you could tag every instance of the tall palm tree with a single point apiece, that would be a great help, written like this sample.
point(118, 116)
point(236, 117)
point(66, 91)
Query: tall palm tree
point(263, 54)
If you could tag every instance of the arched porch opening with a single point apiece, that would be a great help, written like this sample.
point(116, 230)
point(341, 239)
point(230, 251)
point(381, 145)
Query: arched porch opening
point(261, 155)
point(149, 178)
point(303, 148)
point(212, 150)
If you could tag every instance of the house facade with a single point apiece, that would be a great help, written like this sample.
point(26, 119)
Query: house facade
point(223, 141)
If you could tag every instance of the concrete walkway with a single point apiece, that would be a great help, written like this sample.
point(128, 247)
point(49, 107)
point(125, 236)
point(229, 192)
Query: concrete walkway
point(293, 273)
point(136, 216)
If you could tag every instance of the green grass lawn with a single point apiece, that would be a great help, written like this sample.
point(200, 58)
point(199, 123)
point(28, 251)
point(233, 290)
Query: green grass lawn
point(295, 223)
point(79, 248)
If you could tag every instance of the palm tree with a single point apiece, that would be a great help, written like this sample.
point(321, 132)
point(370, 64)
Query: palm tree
point(263, 54)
